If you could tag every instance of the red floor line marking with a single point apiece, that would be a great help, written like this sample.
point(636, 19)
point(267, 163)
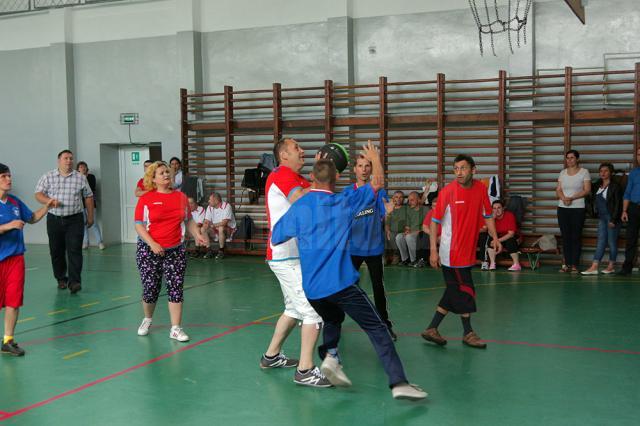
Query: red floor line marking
point(121, 373)
point(510, 342)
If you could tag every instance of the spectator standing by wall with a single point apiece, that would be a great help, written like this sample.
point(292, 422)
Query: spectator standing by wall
point(83, 168)
point(631, 215)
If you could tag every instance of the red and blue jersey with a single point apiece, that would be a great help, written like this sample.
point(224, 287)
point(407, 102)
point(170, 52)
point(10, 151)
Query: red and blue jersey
point(322, 222)
point(367, 233)
point(12, 242)
point(461, 212)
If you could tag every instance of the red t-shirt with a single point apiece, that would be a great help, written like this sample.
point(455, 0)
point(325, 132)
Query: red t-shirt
point(460, 211)
point(506, 223)
point(164, 216)
point(280, 185)
point(140, 184)
point(427, 221)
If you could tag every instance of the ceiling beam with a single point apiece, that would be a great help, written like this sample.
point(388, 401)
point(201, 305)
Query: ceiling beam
point(577, 8)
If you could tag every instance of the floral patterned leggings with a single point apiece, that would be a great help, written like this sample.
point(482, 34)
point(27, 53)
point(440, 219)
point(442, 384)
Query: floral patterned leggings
point(153, 267)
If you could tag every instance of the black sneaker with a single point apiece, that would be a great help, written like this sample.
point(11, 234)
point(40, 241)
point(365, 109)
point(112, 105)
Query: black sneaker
point(419, 264)
point(209, 255)
point(279, 361)
point(74, 287)
point(313, 378)
point(220, 255)
point(62, 284)
point(12, 348)
point(405, 263)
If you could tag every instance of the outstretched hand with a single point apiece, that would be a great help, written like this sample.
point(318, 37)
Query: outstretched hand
point(370, 152)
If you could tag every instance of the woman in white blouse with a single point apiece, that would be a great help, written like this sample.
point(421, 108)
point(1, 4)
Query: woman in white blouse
point(574, 184)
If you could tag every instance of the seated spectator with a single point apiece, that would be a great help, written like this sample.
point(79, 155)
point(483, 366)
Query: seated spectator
point(220, 222)
point(176, 168)
point(394, 224)
point(407, 241)
point(425, 235)
point(507, 231)
point(197, 214)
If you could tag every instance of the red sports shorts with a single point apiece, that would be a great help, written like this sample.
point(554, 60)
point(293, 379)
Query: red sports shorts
point(12, 281)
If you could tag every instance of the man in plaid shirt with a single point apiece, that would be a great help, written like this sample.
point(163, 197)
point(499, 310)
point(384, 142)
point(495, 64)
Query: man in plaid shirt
point(65, 188)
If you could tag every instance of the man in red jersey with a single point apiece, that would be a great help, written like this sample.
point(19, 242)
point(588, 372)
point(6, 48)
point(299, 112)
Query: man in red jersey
point(462, 205)
point(284, 187)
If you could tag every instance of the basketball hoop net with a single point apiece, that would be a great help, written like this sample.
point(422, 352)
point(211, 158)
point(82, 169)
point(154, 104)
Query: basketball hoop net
point(494, 25)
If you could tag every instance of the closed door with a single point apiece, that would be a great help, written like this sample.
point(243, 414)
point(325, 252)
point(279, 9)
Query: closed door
point(132, 160)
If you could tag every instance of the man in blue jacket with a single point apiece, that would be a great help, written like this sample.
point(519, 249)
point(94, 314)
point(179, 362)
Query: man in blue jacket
point(322, 221)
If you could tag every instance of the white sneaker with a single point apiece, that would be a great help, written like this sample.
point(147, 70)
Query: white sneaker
point(485, 266)
point(85, 246)
point(177, 333)
point(332, 369)
point(408, 391)
point(101, 245)
point(143, 330)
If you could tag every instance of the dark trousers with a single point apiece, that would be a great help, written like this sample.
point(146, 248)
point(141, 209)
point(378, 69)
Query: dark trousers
point(422, 246)
point(632, 236)
point(376, 268)
point(65, 244)
point(354, 302)
point(571, 222)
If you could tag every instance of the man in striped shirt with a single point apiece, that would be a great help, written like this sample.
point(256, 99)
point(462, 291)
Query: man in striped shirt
point(64, 189)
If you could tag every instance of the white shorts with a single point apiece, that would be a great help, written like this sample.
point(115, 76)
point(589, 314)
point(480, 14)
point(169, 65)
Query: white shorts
point(296, 305)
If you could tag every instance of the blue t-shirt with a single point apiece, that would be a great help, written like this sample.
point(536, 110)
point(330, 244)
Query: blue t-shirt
point(632, 192)
point(322, 221)
point(12, 242)
point(367, 234)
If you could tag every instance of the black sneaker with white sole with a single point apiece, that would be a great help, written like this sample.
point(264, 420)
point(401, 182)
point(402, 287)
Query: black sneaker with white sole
point(278, 361)
point(12, 348)
point(312, 377)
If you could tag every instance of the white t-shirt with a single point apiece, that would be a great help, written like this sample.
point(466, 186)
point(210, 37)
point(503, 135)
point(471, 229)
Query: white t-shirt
point(572, 185)
point(217, 215)
point(198, 215)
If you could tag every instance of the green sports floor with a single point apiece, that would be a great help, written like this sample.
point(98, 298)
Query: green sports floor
point(563, 350)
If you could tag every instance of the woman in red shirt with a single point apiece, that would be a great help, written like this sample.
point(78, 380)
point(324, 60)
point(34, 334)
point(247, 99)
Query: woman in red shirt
point(507, 230)
point(160, 215)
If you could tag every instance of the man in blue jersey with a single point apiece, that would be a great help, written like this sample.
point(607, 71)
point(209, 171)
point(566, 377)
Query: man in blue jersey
point(322, 221)
point(367, 238)
point(13, 215)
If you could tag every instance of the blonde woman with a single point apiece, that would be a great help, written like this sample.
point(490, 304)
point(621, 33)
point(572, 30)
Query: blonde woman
point(161, 215)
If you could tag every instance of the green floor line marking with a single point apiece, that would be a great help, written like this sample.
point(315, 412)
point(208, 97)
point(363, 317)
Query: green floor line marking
point(86, 305)
point(20, 321)
point(57, 312)
point(120, 298)
point(75, 354)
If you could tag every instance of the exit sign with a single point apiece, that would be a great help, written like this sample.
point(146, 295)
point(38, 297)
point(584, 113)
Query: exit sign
point(129, 118)
point(135, 157)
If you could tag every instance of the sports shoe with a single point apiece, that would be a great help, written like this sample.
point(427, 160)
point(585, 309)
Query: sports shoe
point(608, 271)
point(143, 330)
point(62, 284)
point(209, 255)
point(432, 335)
point(473, 340)
point(85, 246)
point(332, 370)
point(220, 255)
point(12, 348)
point(74, 287)
point(588, 272)
point(492, 267)
point(484, 266)
point(101, 246)
point(419, 264)
point(515, 267)
point(279, 361)
point(312, 377)
point(405, 263)
point(408, 391)
point(177, 333)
